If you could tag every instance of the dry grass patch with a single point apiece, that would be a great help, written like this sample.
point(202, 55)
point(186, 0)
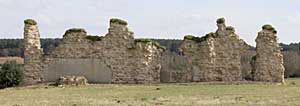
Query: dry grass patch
point(161, 94)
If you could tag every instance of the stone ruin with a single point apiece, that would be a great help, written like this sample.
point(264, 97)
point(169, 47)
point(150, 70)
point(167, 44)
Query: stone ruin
point(119, 58)
point(71, 81)
point(217, 56)
point(268, 60)
point(114, 58)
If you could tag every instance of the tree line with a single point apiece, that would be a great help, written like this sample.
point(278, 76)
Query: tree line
point(14, 47)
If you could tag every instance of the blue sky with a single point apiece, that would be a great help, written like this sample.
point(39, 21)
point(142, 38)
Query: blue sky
point(170, 19)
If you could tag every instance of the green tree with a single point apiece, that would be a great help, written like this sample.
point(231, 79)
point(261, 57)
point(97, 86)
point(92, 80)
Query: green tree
point(11, 74)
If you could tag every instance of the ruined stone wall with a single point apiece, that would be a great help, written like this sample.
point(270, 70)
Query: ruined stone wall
point(216, 56)
point(269, 60)
point(32, 53)
point(174, 68)
point(129, 60)
point(200, 56)
point(291, 60)
point(119, 58)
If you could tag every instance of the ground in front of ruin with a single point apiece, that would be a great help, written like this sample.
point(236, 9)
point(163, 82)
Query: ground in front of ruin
point(149, 95)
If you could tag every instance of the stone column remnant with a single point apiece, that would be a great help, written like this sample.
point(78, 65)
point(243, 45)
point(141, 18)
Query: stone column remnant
point(269, 60)
point(32, 53)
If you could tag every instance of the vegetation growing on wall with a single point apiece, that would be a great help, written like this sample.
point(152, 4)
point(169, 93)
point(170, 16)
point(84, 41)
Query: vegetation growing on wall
point(230, 28)
point(74, 30)
point(118, 21)
point(30, 22)
point(200, 39)
point(221, 20)
point(269, 27)
point(94, 38)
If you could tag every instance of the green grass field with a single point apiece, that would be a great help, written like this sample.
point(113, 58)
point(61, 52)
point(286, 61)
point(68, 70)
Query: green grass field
point(161, 94)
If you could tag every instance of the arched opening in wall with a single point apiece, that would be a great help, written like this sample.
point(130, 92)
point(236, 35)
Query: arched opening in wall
point(95, 70)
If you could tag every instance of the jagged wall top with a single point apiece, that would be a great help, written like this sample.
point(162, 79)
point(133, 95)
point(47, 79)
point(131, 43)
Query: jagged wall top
point(221, 31)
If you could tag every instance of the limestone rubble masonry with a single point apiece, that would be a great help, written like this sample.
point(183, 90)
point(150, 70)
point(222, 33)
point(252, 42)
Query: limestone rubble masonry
point(32, 53)
point(269, 60)
point(129, 61)
point(217, 57)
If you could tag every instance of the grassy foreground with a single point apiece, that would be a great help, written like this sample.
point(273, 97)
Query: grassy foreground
point(149, 95)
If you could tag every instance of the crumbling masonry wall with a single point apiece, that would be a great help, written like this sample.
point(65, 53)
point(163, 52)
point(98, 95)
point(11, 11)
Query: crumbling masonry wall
point(268, 60)
point(119, 58)
point(32, 53)
point(215, 56)
point(128, 60)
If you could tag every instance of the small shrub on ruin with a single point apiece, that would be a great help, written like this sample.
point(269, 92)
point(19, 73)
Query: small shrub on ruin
point(221, 20)
point(200, 39)
point(230, 28)
point(72, 30)
point(189, 37)
point(94, 38)
point(11, 74)
point(269, 27)
point(30, 22)
point(193, 38)
point(118, 21)
point(75, 30)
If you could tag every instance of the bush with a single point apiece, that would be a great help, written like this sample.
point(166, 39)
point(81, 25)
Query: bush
point(74, 30)
point(200, 39)
point(230, 28)
point(221, 20)
point(118, 21)
point(94, 38)
point(11, 74)
point(30, 22)
point(269, 27)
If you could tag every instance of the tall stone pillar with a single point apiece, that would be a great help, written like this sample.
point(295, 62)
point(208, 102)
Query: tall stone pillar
point(269, 60)
point(32, 53)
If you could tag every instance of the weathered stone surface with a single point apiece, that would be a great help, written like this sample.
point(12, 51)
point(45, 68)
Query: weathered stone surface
point(216, 56)
point(72, 80)
point(291, 60)
point(123, 59)
point(129, 60)
point(32, 53)
point(174, 68)
point(95, 70)
point(269, 60)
